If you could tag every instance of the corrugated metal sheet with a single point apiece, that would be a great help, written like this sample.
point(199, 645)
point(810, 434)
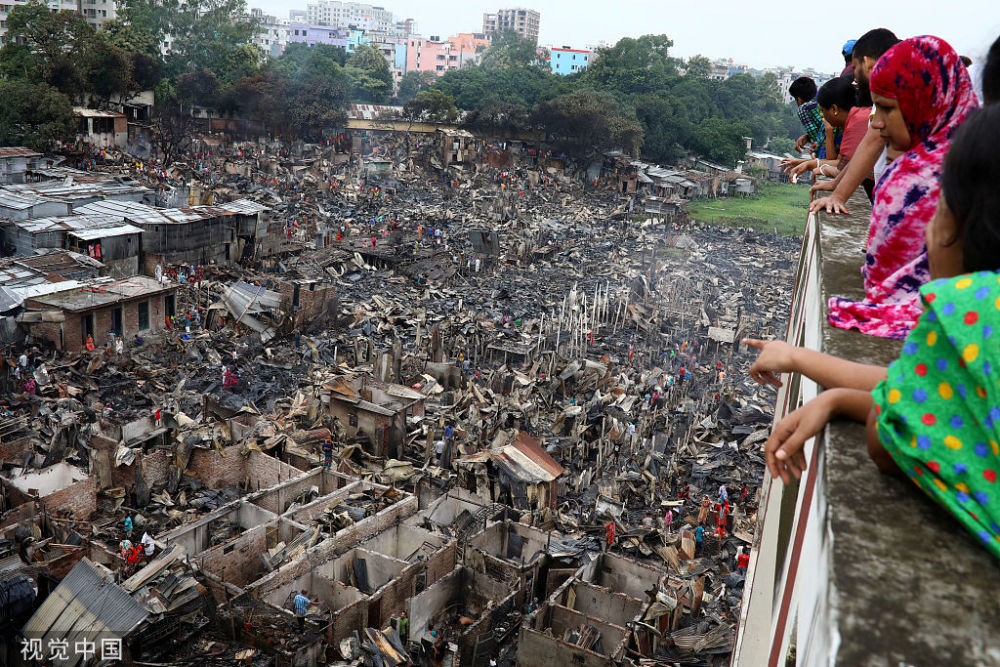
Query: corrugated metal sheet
point(141, 214)
point(244, 207)
point(17, 151)
point(68, 223)
point(534, 452)
point(19, 201)
point(105, 232)
point(87, 603)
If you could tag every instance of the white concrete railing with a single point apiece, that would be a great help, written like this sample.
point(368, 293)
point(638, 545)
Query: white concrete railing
point(784, 602)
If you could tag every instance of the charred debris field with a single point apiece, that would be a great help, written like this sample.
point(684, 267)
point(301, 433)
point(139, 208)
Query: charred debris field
point(476, 391)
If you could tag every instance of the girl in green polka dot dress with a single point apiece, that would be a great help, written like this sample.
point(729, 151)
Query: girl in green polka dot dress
point(934, 414)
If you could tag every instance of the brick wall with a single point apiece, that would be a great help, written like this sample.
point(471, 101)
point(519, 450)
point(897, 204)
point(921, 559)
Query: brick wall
point(14, 450)
point(78, 499)
point(237, 561)
point(71, 329)
point(218, 470)
point(342, 542)
point(312, 302)
point(231, 468)
point(441, 563)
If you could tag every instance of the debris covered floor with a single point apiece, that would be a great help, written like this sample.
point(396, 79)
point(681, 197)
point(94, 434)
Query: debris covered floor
point(534, 392)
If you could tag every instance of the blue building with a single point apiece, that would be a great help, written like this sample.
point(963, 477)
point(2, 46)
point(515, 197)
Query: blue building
point(568, 61)
point(355, 38)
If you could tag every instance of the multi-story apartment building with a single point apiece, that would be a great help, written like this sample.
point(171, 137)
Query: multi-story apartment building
point(272, 35)
point(95, 12)
point(343, 14)
point(435, 55)
point(522, 21)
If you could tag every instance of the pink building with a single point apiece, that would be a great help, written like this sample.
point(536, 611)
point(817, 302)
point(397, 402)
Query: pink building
point(433, 55)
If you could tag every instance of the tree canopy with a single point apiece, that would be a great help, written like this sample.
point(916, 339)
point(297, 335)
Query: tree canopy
point(648, 106)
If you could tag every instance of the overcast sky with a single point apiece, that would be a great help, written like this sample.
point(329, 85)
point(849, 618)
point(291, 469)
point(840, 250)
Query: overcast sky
point(759, 33)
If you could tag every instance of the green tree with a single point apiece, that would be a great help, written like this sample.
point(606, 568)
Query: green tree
point(370, 75)
point(53, 47)
point(638, 65)
point(199, 88)
point(698, 66)
point(432, 105)
point(414, 82)
point(131, 38)
point(499, 116)
point(585, 122)
point(720, 140)
point(111, 71)
point(35, 115)
point(508, 50)
point(216, 35)
point(781, 145)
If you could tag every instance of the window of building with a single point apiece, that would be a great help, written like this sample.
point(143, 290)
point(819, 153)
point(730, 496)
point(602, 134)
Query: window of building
point(143, 315)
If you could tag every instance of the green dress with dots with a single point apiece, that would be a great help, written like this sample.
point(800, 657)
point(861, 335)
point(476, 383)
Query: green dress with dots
point(939, 408)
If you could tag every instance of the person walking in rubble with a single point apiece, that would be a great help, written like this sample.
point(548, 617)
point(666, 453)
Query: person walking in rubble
point(301, 604)
point(328, 453)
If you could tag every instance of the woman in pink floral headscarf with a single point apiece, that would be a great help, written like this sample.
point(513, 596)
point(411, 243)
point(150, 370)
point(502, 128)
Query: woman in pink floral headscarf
point(922, 93)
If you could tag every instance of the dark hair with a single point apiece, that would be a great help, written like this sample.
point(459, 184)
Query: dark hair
point(803, 88)
point(968, 185)
point(991, 75)
point(966, 60)
point(839, 91)
point(874, 43)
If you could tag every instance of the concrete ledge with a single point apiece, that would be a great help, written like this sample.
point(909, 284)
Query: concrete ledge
point(908, 585)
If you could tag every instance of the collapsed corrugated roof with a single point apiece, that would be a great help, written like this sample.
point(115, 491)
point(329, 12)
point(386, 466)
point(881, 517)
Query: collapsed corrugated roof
point(86, 605)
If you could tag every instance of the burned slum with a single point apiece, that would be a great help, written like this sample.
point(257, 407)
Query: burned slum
point(460, 400)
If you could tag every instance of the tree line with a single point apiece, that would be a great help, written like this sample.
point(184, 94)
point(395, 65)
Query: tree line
point(632, 96)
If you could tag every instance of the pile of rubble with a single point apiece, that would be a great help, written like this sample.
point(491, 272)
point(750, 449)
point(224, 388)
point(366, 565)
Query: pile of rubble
point(554, 382)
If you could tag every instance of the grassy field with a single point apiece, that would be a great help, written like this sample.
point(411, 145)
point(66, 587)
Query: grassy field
point(780, 206)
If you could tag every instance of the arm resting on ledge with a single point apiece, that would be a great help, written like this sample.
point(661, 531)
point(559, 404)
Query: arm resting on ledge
point(783, 449)
point(778, 357)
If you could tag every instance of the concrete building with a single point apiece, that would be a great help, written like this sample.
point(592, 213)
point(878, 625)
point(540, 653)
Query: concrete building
point(95, 12)
point(434, 55)
point(101, 129)
point(522, 21)
point(470, 41)
point(272, 36)
point(316, 34)
point(567, 60)
point(346, 14)
point(136, 306)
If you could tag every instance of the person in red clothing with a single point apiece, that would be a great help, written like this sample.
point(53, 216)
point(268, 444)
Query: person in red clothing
point(609, 533)
point(742, 561)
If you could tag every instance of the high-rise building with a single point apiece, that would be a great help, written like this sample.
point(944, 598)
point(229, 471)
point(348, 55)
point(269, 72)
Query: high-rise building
point(347, 14)
point(95, 12)
point(522, 21)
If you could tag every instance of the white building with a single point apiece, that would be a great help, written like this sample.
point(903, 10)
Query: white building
point(272, 36)
point(786, 75)
point(345, 14)
point(522, 21)
point(96, 12)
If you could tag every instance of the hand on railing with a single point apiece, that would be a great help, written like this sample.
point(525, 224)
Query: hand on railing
point(783, 449)
point(831, 203)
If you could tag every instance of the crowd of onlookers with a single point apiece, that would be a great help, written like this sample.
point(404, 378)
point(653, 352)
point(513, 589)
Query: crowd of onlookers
point(907, 122)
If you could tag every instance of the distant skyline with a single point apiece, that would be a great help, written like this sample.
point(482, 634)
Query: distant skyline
point(766, 33)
